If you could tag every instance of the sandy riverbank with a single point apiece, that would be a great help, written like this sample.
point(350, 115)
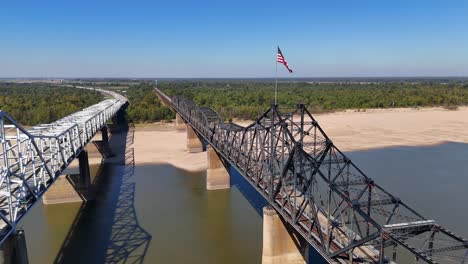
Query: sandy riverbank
point(349, 130)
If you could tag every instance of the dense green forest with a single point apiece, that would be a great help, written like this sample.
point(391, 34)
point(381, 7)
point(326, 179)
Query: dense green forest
point(39, 103)
point(248, 99)
point(35, 103)
point(145, 105)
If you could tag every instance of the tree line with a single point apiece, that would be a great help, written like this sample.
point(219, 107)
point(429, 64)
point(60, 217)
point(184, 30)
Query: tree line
point(145, 105)
point(35, 103)
point(247, 100)
point(42, 103)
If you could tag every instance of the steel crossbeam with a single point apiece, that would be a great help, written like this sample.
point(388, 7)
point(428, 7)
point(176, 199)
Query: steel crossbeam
point(32, 159)
point(339, 210)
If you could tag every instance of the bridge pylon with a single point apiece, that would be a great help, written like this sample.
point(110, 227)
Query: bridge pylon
point(71, 187)
point(217, 176)
point(194, 144)
point(279, 246)
point(14, 250)
point(105, 134)
point(180, 123)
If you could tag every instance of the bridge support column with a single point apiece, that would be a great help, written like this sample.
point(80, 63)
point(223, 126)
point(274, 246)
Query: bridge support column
point(217, 177)
point(85, 176)
point(14, 250)
point(74, 187)
point(194, 144)
point(105, 134)
point(179, 123)
point(278, 245)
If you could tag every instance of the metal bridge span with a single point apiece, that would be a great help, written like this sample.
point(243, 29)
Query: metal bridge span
point(342, 213)
point(32, 159)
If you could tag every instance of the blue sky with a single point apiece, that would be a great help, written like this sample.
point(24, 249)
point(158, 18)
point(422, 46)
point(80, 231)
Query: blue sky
point(175, 38)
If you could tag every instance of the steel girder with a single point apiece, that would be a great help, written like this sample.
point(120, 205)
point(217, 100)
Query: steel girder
point(31, 159)
point(339, 210)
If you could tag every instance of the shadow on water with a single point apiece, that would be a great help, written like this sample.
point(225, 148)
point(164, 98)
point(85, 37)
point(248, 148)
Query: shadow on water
point(256, 200)
point(129, 241)
point(107, 230)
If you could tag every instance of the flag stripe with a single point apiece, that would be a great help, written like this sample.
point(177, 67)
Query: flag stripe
point(280, 58)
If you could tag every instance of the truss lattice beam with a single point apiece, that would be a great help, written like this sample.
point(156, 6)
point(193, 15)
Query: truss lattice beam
point(31, 159)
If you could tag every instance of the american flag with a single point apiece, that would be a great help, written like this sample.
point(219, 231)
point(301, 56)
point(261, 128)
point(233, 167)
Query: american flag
point(280, 59)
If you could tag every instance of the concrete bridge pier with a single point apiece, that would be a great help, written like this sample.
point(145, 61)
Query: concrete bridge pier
point(85, 175)
point(105, 134)
point(279, 246)
point(74, 187)
point(180, 123)
point(217, 177)
point(14, 250)
point(194, 144)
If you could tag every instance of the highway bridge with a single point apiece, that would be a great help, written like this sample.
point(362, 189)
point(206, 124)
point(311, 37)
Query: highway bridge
point(32, 159)
point(334, 206)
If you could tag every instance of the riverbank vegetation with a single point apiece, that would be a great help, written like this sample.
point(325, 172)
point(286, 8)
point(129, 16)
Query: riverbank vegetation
point(246, 100)
point(145, 105)
point(40, 103)
point(35, 103)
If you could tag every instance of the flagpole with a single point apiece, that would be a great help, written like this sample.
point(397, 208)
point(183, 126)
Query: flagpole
point(276, 81)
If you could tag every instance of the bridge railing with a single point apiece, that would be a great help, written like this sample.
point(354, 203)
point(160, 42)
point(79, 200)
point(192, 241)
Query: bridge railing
point(340, 211)
point(31, 159)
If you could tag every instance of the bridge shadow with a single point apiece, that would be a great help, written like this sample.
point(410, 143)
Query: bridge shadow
point(256, 200)
point(106, 230)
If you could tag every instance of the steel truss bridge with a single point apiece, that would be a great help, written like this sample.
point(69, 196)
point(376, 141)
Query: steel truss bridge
point(346, 216)
point(32, 159)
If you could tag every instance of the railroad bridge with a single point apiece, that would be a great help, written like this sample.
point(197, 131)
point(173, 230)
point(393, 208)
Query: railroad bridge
point(316, 194)
point(319, 200)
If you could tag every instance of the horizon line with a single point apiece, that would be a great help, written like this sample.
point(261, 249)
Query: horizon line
point(226, 78)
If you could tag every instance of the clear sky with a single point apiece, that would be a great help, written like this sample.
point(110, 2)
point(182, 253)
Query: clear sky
point(238, 38)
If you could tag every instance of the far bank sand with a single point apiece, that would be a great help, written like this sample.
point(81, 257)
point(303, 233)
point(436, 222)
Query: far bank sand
point(349, 130)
